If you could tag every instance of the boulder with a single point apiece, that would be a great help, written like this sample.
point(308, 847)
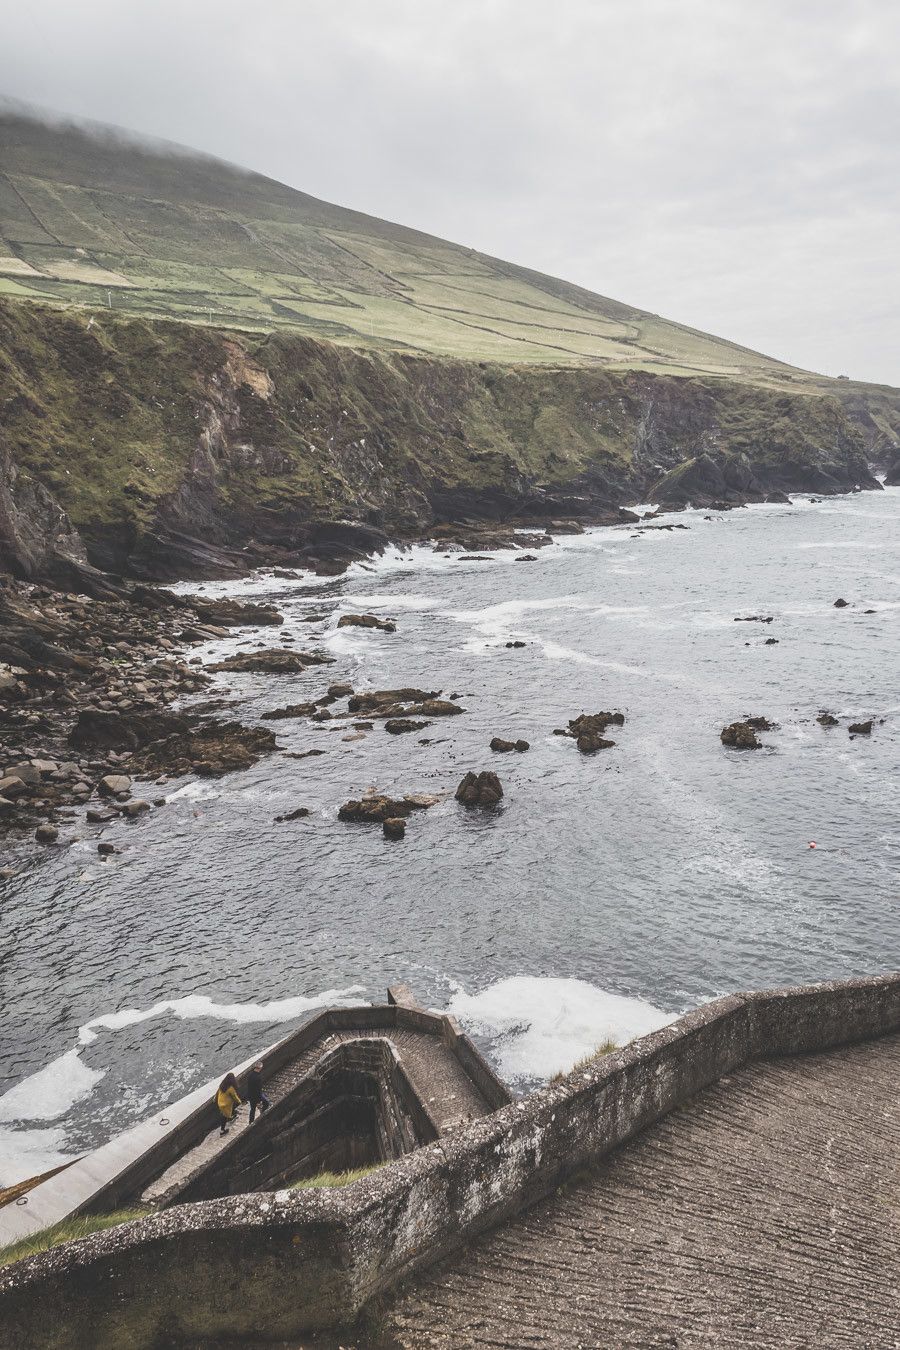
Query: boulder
point(740, 735)
point(588, 729)
point(367, 621)
point(12, 787)
point(504, 746)
point(99, 817)
point(437, 707)
point(382, 698)
point(113, 784)
point(589, 742)
point(96, 729)
point(526, 557)
point(479, 789)
point(396, 726)
point(827, 719)
point(394, 827)
point(105, 849)
point(861, 728)
point(340, 690)
point(376, 808)
point(135, 808)
point(518, 643)
point(841, 603)
point(46, 834)
point(292, 710)
point(300, 814)
point(273, 661)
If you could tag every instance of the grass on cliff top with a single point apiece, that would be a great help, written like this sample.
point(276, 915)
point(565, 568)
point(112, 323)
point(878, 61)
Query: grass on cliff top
point(328, 1179)
point(97, 221)
point(69, 1230)
point(604, 1048)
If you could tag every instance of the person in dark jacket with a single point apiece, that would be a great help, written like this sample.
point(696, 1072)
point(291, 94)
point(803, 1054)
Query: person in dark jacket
point(255, 1095)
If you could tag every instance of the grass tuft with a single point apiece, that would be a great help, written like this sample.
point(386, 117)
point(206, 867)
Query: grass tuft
point(604, 1048)
point(69, 1230)
point(328, 1179)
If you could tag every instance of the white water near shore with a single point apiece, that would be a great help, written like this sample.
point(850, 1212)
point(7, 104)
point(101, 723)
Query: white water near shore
point(605, 895)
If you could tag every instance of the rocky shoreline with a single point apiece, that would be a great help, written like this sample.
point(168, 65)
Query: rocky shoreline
point(88, 677)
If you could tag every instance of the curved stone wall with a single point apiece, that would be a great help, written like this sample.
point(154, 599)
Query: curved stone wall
point(275, 1265)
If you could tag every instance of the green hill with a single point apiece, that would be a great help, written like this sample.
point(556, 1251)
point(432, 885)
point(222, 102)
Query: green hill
point(94, 219)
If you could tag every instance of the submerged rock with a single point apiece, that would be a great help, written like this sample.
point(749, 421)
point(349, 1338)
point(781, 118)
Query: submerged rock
point(300, 814)
point(367, 621)
point(397, 726)
point(382, 698)
point(394, 827)
point(479, 789)
point(376, 808)
point(292, 710)
point(827, 719)
point(504, 746)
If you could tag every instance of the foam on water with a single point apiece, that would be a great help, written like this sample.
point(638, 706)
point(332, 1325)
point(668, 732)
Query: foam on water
point(540, 1026)
point(51, 1093)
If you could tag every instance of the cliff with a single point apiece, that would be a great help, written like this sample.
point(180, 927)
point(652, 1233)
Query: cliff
point(155, 447)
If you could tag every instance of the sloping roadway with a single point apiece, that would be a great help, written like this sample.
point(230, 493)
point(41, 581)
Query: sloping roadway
point(764, 1213)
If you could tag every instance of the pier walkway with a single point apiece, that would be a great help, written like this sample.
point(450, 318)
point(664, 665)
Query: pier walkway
point(765, 1212)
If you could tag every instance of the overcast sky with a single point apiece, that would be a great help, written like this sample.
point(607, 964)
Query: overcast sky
point(733, 164)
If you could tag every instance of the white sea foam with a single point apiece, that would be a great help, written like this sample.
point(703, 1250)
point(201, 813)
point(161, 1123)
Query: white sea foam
point(200, 1005)
point(28, 1153)
point(542, 1026)
point(52, 1091)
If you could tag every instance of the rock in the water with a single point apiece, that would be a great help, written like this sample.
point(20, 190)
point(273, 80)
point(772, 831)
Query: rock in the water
point(588, 729)
point(105, 849)
point(376, 808)
point(754, 618)
point(526, 557)
point(340, 690)
point(300, 814)
point(12, 787)
point(292, 710)
point(861, 728)
point(394, 827)
point(479, 789)
point(841, 603)
point(396, 726)
point(740, 735)
point(589, 742)
point(135, 808)
point(99, 817)
point(367, 621)
point(113, 784)
point(498, 743)
point(384, 698)
point(46, 834)
point(827, 719)
point(771, 642)
point(273, 660)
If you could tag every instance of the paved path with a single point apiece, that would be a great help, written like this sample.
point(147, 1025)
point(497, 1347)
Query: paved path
point(765, 1213)
point(435, 1072)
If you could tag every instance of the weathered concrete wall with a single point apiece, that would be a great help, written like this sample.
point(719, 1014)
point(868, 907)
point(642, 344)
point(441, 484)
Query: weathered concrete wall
point(276, 1265)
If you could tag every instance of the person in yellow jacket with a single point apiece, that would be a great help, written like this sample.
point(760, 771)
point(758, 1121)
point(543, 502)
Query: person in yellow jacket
point(227, 1100)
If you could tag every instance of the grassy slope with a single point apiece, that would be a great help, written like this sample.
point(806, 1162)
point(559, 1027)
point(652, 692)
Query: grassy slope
point(96, 222)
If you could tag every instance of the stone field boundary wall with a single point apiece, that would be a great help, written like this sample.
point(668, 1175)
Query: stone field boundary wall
point(274, 1265)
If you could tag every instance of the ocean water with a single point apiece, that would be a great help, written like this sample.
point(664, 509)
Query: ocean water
point(604, 895)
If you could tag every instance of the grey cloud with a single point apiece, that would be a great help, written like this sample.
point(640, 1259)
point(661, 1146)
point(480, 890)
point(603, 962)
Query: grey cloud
point(731, 165)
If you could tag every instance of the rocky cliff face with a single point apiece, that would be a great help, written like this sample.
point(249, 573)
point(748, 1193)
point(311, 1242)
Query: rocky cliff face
point(164, 449)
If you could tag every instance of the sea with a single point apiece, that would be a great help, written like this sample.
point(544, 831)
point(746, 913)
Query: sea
point(605, 895)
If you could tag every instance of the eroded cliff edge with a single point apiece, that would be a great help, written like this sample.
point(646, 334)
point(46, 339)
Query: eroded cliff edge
point(161, 449)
